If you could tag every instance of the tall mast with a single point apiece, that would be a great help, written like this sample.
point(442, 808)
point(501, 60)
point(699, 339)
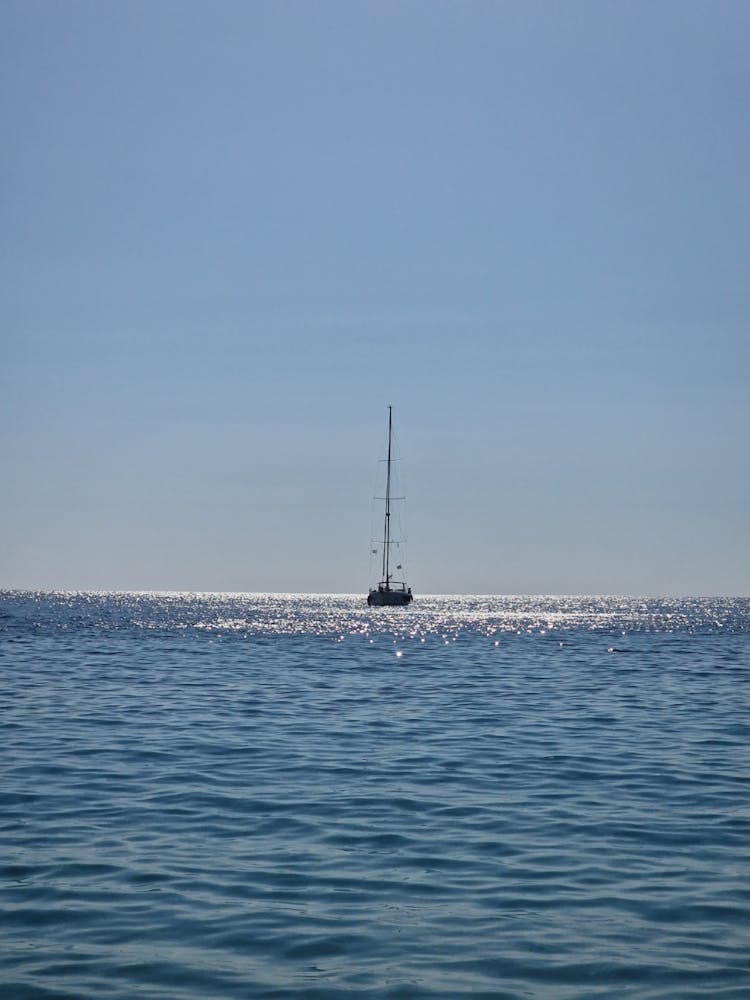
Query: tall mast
point(387, 526)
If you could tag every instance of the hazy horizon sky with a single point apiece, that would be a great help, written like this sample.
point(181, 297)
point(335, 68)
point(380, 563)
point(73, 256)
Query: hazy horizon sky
point(233, 233)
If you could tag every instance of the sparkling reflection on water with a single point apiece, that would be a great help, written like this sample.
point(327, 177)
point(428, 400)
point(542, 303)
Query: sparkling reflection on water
point(295, 795)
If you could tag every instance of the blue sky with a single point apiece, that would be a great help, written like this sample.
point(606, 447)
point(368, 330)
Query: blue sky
point(233, 232)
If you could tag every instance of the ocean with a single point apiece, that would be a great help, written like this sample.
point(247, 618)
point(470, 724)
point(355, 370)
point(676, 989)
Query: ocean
point(210, 796)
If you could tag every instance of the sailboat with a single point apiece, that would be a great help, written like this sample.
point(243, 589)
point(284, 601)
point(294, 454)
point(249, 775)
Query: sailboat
point(389, 592)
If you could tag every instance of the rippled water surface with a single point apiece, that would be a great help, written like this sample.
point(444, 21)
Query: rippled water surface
point(221, 796)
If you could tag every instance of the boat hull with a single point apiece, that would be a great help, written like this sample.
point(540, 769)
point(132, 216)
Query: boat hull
point(389, 598)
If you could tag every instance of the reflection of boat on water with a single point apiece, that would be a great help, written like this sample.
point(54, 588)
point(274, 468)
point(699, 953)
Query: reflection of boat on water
point(389, 592)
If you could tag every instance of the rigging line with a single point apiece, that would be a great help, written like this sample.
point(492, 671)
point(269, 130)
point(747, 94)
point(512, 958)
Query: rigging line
point(387, 526)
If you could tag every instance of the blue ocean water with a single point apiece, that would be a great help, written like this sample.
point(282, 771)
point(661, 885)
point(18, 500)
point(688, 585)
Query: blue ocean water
point(234, 796)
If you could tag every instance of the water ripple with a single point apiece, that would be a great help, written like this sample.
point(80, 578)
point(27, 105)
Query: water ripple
point(254, 795)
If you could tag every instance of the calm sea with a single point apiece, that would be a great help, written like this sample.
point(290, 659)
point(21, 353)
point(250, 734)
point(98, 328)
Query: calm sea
point(235, 796)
